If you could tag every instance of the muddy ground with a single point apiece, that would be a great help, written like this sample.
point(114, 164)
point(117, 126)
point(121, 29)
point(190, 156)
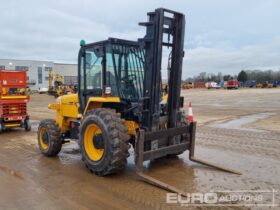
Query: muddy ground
point(238, 129)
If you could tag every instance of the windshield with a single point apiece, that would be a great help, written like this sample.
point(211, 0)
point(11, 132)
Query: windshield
point(93, 68)
point(118, 66)
point(126, 64)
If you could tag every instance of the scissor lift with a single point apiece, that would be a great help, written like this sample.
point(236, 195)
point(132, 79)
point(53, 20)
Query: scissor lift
point(13, 100)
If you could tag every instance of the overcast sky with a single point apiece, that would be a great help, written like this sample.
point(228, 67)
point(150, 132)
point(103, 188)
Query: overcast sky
point(221, 35)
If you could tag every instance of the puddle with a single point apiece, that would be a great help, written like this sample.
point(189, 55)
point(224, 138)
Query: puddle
point(34, 124)
point(71, 148)
point(70, 153)
point(238, 123)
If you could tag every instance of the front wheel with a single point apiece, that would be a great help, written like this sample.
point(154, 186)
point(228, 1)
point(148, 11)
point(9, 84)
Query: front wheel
point(49, 138)
point(104, 141)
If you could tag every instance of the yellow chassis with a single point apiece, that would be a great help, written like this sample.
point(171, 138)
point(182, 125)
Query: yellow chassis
point(67, 109)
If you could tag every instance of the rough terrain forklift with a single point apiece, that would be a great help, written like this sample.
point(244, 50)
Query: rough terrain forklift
point(120, 102)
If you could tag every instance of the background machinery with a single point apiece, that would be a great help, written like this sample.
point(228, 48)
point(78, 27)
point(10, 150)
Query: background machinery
point(188, 85)
point(120, 102)
point(13, 100)
point(56, 85)
point(232, 84)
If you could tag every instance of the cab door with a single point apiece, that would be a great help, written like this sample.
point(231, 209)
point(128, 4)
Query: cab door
point(91, 79)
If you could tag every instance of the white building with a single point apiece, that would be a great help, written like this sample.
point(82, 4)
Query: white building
point(38, 71)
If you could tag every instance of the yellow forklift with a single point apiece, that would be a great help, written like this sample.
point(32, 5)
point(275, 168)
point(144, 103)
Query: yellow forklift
point(120, 102)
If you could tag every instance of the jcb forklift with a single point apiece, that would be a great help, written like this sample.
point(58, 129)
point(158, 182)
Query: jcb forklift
point(120, 102)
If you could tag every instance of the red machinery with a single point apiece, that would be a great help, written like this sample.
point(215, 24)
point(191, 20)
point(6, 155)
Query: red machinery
point(232, 84)
point(13, 100)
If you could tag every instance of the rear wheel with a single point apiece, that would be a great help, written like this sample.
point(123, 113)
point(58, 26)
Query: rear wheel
point(104, 141)
point(49, 139)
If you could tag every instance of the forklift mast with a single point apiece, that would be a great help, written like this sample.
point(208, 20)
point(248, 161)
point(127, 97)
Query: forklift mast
point(164, 28)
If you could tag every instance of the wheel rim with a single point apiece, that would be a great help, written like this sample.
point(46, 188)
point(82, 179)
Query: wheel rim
point(44, 138)
point(92, 152)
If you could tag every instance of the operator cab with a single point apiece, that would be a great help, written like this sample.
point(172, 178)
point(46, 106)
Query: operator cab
point(111, 68)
